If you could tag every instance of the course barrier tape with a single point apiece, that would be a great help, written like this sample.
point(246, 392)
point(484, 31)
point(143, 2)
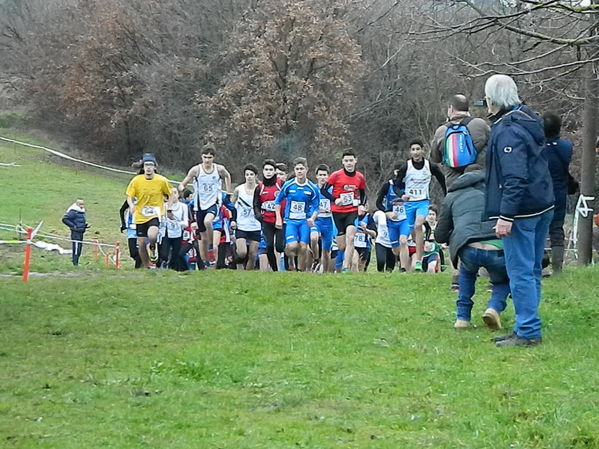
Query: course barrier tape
point(70, 158)
point(33, 232)
point(66, 156)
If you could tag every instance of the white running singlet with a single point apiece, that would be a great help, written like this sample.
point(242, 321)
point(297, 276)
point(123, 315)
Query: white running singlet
point(246, 220)
point(382, 231)
point(418, 181)
point(207, 187)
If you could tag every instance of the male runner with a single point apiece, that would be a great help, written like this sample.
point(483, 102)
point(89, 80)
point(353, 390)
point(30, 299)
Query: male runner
point(207, 180)
point(301, 209)
point(264, 209)
point(412, 184)
point(348, 196)
point(146, 195)
point(247, 228)
point(398, 226)
point(323, 227)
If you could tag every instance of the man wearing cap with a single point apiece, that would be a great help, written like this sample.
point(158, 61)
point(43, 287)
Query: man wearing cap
point(146, 194)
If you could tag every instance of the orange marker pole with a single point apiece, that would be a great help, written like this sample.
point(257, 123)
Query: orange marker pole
point(117, 253)
point(95, 250)
point(27, 255)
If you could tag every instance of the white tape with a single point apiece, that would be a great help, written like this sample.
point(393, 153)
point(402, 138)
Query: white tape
point(582, 207)
point(70, 158)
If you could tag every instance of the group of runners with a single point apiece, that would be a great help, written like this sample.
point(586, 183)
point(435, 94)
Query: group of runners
point(276, 223)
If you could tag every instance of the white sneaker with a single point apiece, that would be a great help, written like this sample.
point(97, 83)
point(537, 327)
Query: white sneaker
point(491, 319)
point(461, 324)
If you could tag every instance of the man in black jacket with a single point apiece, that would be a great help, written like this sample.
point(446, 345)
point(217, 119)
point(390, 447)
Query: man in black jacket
point(472, 241)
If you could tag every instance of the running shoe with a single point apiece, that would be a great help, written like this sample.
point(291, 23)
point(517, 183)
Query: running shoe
point(152, 253)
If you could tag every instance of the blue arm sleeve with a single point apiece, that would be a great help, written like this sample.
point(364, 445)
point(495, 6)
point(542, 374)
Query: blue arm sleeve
point(282, 194)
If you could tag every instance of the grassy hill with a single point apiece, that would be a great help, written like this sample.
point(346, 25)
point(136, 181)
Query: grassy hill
point(157, 359)
point(41, 189)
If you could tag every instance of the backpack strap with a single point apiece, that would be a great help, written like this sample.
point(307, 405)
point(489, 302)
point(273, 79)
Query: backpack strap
point(466, 120)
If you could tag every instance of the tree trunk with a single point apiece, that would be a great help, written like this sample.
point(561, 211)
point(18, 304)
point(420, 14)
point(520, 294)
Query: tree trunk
point(587, 181)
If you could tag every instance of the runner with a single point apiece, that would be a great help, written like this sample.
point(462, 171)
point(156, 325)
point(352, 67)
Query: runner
point(412, 184)
point(244, 223)
point(207, 179)
point(385, 257)
point(281, 168)
point(365, 231)
point(128, 224)
point(398, 226)
point(301, 209)
point(322, 231)
point(264, 209)
point(146, 195)
point(347, 198)
point(175, 223)
point(222, 234)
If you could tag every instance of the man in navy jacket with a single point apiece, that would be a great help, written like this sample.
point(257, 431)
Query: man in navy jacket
point(520, 197)
point(74, 218)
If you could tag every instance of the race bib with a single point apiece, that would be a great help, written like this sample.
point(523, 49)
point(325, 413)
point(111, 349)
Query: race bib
point(268, 206)
point(297, 210)
point(245, 211)
point(172, 226)
point(360, 240)
point(347, 199)
point(415, 193)
point(208, 188)
point(400, 212)
point(325, 205)
point(150, 211)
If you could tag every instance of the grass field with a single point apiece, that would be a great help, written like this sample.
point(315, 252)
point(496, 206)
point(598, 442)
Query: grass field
point(102, 358)
point(42, 188)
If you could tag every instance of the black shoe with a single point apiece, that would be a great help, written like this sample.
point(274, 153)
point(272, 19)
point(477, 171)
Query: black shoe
point(519, 341)
point(503, 337)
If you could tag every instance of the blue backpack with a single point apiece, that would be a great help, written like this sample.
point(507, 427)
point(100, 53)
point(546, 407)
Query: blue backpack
point(458, 148)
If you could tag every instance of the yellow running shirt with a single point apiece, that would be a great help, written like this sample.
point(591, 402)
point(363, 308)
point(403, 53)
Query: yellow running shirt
point(149, 194)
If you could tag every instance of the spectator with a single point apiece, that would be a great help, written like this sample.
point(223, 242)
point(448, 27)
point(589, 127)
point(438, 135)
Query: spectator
point(473, 243)
point(458, 112)
point(520, 197)
point(559, 156)
point(74, 218)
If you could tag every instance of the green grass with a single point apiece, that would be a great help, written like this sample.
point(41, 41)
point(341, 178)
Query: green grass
point(254, 360)
point(103, 358)
point(41, 189)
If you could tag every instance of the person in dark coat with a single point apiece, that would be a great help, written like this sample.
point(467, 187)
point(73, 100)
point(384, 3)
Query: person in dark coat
point(473, 244)
point(74, 218)
point(519, 196)
point(559, 156)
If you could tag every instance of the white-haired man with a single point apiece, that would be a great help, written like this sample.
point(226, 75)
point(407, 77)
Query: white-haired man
point(520, 197)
